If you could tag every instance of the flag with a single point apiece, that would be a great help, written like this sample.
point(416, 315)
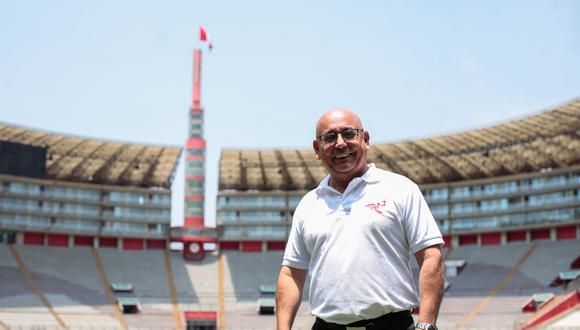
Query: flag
point(202, 34)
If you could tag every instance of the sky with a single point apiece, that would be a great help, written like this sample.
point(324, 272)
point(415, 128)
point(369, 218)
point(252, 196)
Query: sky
point(122, 70)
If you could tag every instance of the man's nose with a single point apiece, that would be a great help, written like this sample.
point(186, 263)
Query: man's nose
point(340, 143)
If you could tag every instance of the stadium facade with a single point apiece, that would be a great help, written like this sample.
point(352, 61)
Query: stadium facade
point(517, 181)
point(60, 190)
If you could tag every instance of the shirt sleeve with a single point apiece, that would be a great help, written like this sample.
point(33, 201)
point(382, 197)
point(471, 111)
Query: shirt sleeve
point(296, 254)
point(420, 226)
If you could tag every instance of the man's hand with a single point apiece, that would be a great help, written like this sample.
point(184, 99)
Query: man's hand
point(288, 295)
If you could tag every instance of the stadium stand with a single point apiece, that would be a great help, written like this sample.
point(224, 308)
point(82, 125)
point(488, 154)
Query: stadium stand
point(78, 159)
point(247, 271)
point(494, 287)
point(19, 305)
point(506, 197)
point(145, 271)
point(454, 309)
point(196, 283)
point(69, 280)
point(66, 290)
point(550, 259)
point(464, 303)
point(91, 201)
point(547, 139)
point(487, 266)
point(61, 190)
point(79, 268)
point(244, 273)
point(513, 182)
point(502, 312)
point(72, 288)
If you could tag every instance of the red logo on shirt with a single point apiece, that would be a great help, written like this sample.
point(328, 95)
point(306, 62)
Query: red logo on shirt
point(377, 207)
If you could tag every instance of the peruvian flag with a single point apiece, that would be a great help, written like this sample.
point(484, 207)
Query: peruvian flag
point(203, 36)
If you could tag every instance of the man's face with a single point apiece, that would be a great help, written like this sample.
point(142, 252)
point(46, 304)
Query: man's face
point(346, 157)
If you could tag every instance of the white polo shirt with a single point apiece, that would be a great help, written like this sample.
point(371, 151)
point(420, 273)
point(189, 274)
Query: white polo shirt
point(358, 245)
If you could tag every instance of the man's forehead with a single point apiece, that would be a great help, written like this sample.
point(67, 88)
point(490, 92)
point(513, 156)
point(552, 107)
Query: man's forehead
point(337, 114)
point(338, 118)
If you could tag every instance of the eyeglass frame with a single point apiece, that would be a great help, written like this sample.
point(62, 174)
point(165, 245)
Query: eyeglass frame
point(358, 132)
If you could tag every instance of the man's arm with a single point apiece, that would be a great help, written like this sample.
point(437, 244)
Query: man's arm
point(431, 280)
point(288, 295)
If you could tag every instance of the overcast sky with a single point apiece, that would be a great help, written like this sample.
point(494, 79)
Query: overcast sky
point(122, 70)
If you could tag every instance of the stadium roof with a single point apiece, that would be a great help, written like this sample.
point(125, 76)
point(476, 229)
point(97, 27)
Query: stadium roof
point(550, 139)
point(80, 159)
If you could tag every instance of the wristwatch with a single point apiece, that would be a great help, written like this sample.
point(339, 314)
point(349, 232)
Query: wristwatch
point(425, 326)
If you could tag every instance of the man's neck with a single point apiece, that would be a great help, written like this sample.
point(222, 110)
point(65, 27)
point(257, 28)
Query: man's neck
point(340, 184)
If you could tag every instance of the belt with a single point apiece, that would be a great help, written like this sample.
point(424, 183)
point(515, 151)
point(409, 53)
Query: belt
point(371, 323)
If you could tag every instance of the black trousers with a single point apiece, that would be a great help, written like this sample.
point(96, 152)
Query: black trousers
point(392, 321)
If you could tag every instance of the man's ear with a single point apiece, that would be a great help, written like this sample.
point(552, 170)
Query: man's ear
point(367, 139)
point(316, 147)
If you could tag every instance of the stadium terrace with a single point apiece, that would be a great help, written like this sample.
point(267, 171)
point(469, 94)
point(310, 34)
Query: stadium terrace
point(60, 190)
point(87, 226)
point(517, 181)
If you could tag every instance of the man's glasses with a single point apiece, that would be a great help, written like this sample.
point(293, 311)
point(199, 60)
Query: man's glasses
point(348, 134)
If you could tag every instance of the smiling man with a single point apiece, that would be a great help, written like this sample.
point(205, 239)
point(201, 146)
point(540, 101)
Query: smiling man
point(356, 233)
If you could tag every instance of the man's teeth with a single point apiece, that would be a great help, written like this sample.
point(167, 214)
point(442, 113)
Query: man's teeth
point(342, 156)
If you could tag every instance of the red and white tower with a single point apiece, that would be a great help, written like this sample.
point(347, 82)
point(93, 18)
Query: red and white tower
point(194, 234)
point(195, 154)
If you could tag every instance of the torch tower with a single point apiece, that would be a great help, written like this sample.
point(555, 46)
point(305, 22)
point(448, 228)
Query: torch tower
point(195, 154)
point(194, 234)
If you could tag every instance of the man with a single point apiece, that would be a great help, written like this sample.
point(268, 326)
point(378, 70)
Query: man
point(355, 233)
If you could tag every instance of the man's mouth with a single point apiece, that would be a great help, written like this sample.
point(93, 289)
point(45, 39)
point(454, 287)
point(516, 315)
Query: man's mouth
point(342, 156)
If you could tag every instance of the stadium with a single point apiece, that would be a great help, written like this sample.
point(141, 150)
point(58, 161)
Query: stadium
point(85, 229)
point(85, 226)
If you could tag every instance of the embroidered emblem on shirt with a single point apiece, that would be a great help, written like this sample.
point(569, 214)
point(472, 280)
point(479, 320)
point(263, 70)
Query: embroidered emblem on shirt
point(377, 207)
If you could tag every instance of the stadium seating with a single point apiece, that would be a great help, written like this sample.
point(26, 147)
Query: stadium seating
point(79, 268)
point(146, 271)
point(491, 290)
point(545, 140)
point(74, 158)
point(69, 287)
point(486, 267)
point(244, 273)
point(69, 281)
point(19, 305)
point(550, 259)
point(196, 283)
point(502, 311)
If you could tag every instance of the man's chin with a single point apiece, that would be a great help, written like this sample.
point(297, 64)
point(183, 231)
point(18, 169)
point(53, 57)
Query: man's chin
point(345, 169)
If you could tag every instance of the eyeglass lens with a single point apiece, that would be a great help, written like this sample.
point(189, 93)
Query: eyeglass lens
point(347, 134)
